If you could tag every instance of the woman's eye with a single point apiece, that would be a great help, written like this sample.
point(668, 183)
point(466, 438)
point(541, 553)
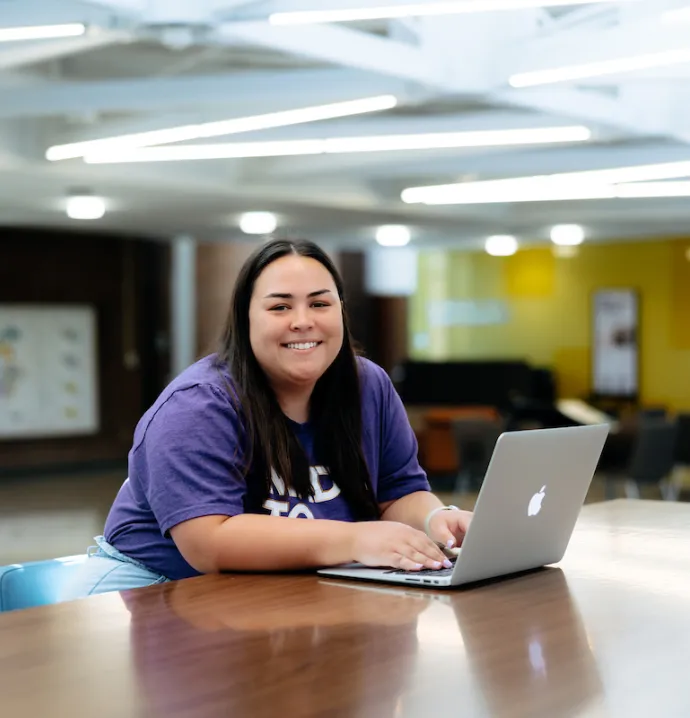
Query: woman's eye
point(320, 305)
point(279, 308)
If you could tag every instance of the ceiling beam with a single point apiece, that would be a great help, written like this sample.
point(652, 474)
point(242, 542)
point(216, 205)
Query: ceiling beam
point(29, 53)
point(613, 112)
point(407, 124)
point(45, 12)
point(583, 105)
point(259, 10)
point(340, 46)
point(586, 45)
point(244, 91)
point(639, 31)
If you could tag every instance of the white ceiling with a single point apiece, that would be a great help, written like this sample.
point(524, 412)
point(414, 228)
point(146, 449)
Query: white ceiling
point(152, 64)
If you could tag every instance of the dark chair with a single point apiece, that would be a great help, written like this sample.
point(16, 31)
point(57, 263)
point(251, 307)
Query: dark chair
point(652, 460)
point(475, 440)
point(681, 456)
point(653, 413)
point(683, 440)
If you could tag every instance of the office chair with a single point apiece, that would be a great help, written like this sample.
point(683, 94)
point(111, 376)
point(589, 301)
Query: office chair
point(36, 583)
point(652, 413)
point(681, 456)
point(652, 461)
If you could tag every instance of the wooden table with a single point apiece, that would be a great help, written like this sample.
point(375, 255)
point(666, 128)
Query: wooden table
point(607, 634)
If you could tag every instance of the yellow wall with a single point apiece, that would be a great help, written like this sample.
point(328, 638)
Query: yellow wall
point(548, 301)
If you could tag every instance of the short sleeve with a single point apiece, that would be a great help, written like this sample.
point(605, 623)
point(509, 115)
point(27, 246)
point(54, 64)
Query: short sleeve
point(189, 462)
point(399, 470)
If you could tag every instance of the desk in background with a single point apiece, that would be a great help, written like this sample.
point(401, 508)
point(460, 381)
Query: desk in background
point(607, 634)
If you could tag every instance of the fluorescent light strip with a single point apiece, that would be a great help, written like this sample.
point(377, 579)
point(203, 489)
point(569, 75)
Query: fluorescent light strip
point(527, 194)
point(223, 127)
point(340, 145)
point(41, 32)
point(643, 190)
point(562, 194)
point(597, 69)
point(310, 17)
point(565, 180)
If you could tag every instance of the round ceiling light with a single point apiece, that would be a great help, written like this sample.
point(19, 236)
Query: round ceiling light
point(567, 235)
point(258, 222)
point(501, 245)
point(393, 235)
point(85, 207)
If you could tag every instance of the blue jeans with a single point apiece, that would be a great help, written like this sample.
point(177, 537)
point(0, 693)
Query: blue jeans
point(107, 569)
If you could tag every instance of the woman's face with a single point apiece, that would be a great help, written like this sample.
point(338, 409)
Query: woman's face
point(295, 321)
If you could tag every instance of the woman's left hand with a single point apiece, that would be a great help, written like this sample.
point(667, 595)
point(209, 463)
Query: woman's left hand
point(448, 528)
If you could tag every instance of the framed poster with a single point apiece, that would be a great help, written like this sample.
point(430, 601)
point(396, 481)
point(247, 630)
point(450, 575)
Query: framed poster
point(48, 371)
point(615, 346)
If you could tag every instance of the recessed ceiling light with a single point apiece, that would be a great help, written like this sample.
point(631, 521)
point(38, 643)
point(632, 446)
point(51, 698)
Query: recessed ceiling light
point(501, 245)
point(393, 235)
point(85, 207)
point(567, 235)
point(258, 222)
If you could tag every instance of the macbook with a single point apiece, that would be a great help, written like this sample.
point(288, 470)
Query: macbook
point(525, 514)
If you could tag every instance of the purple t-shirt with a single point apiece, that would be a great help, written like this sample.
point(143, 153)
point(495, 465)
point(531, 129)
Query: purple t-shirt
point(188, 455)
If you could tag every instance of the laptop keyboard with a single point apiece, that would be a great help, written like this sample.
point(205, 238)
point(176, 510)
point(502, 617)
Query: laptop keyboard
point(426, 571)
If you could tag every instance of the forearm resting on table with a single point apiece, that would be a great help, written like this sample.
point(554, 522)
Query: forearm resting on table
point(411, 509)
point(254, 542)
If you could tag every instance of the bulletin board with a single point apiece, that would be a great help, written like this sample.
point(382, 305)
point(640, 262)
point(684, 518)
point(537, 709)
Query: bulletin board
point(48, 371)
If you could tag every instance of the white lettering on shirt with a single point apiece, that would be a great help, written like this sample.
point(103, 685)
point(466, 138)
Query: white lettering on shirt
point(321, 495)
point(301, 510)
point(277, 508)
point(279, 485)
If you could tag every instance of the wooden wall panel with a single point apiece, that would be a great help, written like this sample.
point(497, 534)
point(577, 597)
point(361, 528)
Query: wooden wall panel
point(126, 281)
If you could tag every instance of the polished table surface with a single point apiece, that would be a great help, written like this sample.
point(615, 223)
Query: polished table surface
point(607, 633)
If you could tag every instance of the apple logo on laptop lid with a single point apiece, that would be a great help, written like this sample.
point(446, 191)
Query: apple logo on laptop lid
point(535, 502)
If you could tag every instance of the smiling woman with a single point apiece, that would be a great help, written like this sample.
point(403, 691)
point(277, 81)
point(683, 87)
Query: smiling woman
point(296, 331)
point(283, 422)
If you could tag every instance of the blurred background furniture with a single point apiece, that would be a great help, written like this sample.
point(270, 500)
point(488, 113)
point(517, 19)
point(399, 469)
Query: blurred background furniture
point(436, 394)
point(682, 453)
point(438, 447)
point(681, 470)
point(651, 462)
point(475, 439)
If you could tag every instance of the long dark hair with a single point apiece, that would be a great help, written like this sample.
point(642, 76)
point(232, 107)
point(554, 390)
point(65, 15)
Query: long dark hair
point(335, 407)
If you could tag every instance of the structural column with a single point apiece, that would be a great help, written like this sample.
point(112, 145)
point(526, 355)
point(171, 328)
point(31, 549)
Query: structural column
point(182, 303)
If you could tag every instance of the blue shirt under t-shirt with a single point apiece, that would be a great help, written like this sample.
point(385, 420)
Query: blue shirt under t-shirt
point(188, 455)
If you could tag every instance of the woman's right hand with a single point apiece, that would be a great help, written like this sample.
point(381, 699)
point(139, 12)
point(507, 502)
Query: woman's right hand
point(388, 543)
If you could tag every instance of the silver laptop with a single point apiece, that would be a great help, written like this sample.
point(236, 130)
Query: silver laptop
point(526, 511)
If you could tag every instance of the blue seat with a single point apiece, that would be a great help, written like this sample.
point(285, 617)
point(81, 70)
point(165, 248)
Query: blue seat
point(37, 583)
